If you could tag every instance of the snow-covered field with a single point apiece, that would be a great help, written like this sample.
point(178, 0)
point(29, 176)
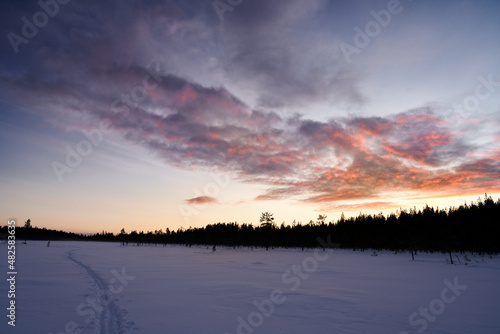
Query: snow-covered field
point(88, 287)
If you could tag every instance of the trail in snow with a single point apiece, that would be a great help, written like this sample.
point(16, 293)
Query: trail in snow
point(110, 318)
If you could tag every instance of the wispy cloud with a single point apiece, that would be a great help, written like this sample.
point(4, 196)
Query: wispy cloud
point(201, 200)
point(191, 126)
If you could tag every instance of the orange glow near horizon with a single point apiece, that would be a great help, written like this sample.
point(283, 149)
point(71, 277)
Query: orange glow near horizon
point(209, 213)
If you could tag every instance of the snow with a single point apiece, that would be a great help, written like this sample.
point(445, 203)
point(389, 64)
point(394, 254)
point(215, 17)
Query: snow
point(110, 288)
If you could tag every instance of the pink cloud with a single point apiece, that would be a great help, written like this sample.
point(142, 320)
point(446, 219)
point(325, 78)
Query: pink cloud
point(201, 200)
point(196, 127)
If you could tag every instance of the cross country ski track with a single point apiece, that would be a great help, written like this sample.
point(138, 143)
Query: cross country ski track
point(109, 319)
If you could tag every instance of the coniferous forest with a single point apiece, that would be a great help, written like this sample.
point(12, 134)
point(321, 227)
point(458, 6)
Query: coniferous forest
point(470, 227)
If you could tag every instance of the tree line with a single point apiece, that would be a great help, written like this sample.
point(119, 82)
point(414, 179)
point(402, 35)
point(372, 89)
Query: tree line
point(470, 227)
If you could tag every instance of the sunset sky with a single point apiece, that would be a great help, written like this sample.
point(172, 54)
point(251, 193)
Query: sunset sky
point(154, 114)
